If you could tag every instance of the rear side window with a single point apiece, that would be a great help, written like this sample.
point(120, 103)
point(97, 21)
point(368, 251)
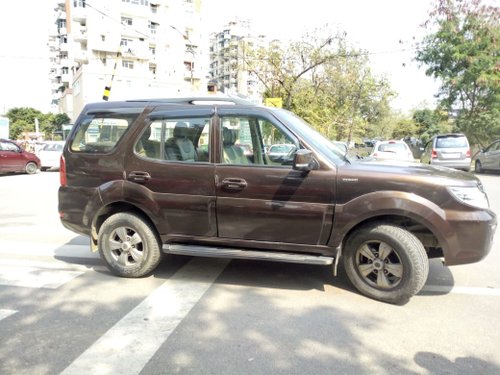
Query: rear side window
point(176, 139)
point(101, 133)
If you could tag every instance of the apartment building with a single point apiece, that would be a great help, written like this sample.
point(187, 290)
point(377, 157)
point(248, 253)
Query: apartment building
point(123, 49)
point(228, 67)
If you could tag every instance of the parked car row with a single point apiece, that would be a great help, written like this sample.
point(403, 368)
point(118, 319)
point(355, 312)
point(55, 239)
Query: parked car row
point(447, 150)
point(14, 159)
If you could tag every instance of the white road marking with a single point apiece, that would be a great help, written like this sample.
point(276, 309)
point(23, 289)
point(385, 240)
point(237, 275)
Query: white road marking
point(131, 342)
point(35, 277)
point(462, 290)
point(5, 313)
point(53, 264)
point(46, 249)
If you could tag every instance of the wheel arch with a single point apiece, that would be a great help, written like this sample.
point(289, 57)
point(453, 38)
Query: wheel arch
point(423, 218)
point(125, 197)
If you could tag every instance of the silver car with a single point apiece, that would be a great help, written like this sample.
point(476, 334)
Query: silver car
point(448, 150)
point(488, 159)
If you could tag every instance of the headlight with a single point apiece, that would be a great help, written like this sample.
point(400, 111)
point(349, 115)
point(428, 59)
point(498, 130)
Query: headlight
point(471, 196)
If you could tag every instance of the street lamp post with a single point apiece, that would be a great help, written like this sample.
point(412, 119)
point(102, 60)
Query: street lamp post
point(190, 50)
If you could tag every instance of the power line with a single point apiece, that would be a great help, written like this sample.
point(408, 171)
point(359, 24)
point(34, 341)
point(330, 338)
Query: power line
point(115, 20)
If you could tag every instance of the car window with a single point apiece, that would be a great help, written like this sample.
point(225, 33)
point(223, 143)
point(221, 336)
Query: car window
point(180, 139)
point(244, 139)
point(101, 133)
point(451, 142)
point(52, 147)
point(392, 147)
point(7, 146)
point(493, 147)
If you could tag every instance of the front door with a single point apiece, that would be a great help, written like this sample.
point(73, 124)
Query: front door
point(10, 157)
point(259, 196)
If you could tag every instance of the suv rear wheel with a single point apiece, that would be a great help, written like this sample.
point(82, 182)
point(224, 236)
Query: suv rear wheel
point(386, 262)
point(128, 245)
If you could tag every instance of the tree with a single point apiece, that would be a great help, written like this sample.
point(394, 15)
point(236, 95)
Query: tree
point(323, 81)
point(23, 119)
point(429, 123)
point(462, 51)
point(280, 69)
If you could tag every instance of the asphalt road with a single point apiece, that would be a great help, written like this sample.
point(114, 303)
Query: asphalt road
point(62, 312)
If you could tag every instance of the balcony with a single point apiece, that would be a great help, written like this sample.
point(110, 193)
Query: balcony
point(65, 62)
point(80, 34)
point(66, 78)
point(79, 14)
point(81, 57)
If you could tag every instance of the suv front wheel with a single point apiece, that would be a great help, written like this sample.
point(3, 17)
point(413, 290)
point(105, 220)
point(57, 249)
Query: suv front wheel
point(386, 262)
point(128, 245)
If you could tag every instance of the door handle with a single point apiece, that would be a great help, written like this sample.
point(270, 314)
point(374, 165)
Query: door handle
point(138, 176)
point(234, 183)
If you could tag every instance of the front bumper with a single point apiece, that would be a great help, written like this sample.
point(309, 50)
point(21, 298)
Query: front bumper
point(470, 238)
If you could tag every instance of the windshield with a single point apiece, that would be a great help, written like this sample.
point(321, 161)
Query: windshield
point(333, 152)
point(53, 147)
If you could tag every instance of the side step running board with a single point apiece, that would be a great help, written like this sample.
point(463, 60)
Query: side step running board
point(216, 252)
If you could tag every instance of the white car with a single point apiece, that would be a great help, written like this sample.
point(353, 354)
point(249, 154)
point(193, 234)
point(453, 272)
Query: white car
point(50, 155)
point(392, 150)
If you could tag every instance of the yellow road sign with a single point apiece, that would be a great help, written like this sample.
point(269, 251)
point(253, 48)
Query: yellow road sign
point(274, 102)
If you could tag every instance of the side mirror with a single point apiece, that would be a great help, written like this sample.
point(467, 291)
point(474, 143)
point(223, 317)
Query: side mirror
point(303, 161)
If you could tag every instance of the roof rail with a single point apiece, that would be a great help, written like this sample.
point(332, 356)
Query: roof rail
point(201, 100)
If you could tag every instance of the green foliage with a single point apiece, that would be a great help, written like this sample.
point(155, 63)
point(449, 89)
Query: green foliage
point(462, 51)
point(429, 123)
point(325, 82)
point(23, 120)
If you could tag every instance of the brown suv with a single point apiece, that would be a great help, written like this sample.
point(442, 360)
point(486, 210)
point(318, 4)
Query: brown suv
point(147, 178)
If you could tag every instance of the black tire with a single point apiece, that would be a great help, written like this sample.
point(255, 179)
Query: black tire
point(31, 168)
point(478, 167)
point(128, 245)
point(386, 263)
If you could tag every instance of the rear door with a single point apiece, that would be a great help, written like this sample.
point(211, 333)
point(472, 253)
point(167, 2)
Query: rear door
point(259, 199)
point(176, 185)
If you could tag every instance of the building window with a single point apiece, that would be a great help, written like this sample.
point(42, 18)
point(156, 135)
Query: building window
point(137, 2)
point(153, 26)
point(129, 64)
point(127, 21)
point(79, 3)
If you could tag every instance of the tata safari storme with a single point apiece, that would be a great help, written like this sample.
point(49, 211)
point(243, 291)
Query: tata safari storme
point(148, 178)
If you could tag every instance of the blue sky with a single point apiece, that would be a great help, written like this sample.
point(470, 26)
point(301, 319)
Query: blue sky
point(376, 26)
